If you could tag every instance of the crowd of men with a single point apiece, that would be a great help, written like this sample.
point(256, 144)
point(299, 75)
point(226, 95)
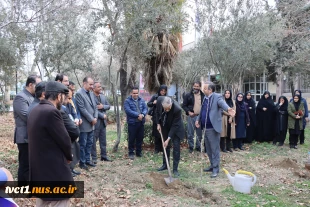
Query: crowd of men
point(49, 119)
point(204, 110)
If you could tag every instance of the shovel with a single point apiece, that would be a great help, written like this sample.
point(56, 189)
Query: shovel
point(170, 179)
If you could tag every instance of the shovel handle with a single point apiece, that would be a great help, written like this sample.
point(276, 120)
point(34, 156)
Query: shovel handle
point(167, 162)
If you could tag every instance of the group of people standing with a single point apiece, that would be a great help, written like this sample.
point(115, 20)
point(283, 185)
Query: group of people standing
point(266, 122)
point(49, 119)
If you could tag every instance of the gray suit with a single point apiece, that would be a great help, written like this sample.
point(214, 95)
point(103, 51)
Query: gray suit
point(88, 109)
point(100, 128)
point(20, 108)
point(21, 104)
point(212, 135)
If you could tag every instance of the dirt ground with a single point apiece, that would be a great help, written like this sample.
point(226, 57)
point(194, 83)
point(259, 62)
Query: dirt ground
point(136, 183)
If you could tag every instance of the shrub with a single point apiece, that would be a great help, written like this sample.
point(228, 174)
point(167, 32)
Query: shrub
point(112, 116)
point(4, 108)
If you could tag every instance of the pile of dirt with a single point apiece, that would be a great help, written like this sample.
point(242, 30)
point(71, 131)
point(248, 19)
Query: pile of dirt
point(288, 163)
point(180, 189)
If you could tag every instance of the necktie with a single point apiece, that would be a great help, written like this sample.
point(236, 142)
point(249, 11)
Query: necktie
point(87, 92)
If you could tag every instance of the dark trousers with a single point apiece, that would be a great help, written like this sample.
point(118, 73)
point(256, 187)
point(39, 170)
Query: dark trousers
point(100, 134)
point(225, 143)
point(302, 137)
point(75, 147)
point(86, 143)
point(176, 142)
point(280, 137)
point(23, 162)
point(237, 143)
point(293, 139)
point(135, 138)
point(157, 139)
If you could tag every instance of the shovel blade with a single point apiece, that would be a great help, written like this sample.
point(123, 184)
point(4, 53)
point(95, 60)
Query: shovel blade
point(169, 180)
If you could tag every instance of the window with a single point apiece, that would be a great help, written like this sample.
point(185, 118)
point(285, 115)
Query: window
point(256, 86)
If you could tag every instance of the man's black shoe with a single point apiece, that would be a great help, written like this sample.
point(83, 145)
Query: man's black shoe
point(224, 150)
point(76, 172)
point(208, 169)
point(198, 149)
point(139, 155)
point(106, 159)
point(230, 150)
point(176, 173)
point(190, 150)
point(280, 144)
point(214, 175)
point(95, 162)
point(84, 167)
point(90, 164)
point(156, 151)
point(164, 167)
point(132, 157)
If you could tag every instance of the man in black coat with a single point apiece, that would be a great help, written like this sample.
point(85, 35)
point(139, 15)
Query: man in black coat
point(170, 124)
point(191, 105)
point(49, 142)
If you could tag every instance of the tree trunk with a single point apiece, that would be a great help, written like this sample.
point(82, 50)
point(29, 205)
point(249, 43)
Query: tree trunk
point(123, 80)
point(7, 93)
point(132, 79)
point(279, 82)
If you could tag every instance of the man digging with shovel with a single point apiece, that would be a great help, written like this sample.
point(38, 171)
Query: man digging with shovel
point(170, 126)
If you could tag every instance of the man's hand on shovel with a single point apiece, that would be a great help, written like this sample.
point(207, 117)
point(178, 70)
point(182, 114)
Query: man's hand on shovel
point(158, 127)
point(166, 142)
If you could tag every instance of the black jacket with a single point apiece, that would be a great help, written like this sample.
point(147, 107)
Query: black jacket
point(189, 101)
point(174, 126)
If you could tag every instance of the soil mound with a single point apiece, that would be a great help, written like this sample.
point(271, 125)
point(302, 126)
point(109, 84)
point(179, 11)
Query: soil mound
point(288, 163)
point(180, 189)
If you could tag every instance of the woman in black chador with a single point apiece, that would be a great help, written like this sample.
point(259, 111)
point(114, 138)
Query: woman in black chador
point(281, 121)
point(162, 91)
point(265, 118)
point(250, 130)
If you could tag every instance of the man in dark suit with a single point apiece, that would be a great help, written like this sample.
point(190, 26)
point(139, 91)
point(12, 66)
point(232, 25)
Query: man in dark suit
point(89, 114)
point(100, 128)
point(21, 104)
point(210, 119)
point(49, 142)
point(170, 123)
